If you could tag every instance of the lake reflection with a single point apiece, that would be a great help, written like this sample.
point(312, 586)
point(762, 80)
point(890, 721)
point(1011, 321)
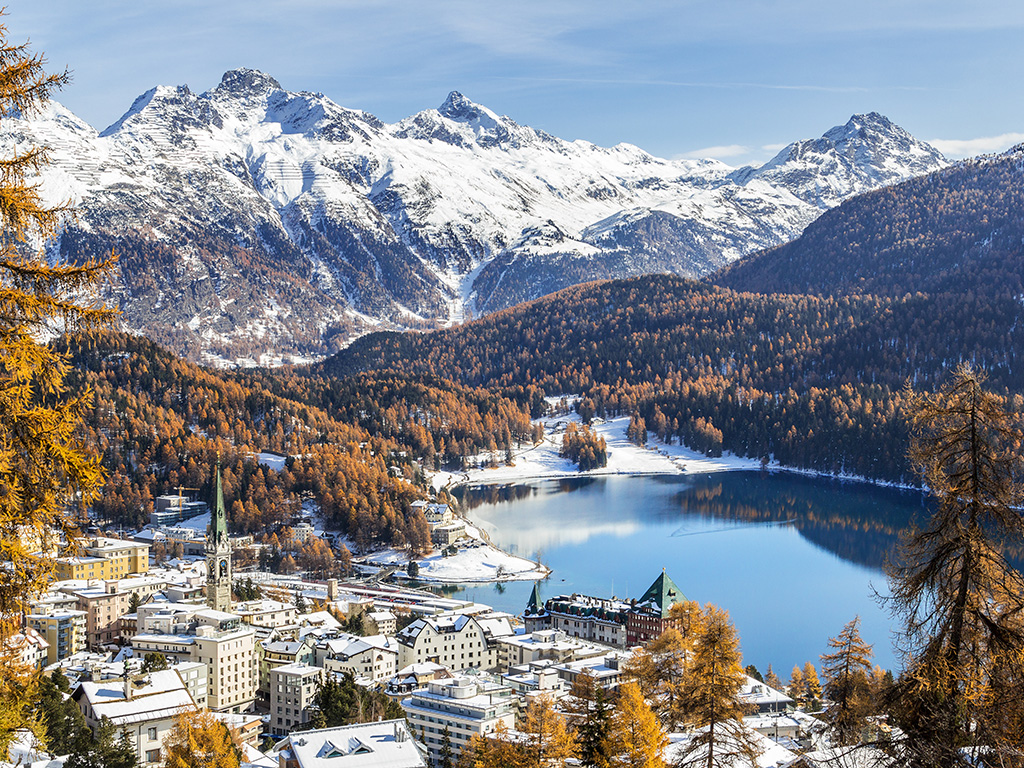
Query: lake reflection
point(792, 558)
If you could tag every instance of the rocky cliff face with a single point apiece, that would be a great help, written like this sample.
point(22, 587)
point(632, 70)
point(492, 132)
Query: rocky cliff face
point(257, 225)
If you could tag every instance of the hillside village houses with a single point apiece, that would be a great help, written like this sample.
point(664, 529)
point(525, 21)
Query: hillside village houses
point(449, 663)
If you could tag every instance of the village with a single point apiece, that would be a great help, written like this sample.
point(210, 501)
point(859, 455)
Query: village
point(141, 642)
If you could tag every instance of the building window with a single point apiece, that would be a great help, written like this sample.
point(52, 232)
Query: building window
point(152, 734)
point(153, 756)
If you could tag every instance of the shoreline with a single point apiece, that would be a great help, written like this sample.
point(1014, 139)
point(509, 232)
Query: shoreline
point(486, 563)
point(631, 461)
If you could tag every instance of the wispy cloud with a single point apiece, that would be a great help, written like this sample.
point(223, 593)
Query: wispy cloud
point(773, 147)
point(725, 150)
point(716, 85)
point(958, 148)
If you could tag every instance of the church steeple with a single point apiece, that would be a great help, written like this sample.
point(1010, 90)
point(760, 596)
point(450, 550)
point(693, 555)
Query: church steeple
point(218, 553)
point(219, 520)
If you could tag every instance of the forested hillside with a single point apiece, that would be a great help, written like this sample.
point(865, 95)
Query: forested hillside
point(812, 381)
point(161, 422)
point(951, 231)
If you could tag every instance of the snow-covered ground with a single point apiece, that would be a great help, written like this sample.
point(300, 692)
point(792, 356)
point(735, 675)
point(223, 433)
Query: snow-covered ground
point(479, 562)
point(624, 458)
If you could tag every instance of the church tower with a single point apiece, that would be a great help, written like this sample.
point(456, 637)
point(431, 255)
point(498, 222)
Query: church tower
point(218, 555)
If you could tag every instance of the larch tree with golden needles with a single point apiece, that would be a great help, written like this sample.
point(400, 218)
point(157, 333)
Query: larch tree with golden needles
point(635, 738)
point(199, 740)
point(711, 689)
point(847, 673)
point(44, 470)
point(960, 601)
point(546, 739)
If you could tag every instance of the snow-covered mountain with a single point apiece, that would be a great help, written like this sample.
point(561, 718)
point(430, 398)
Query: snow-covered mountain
point(254, 224)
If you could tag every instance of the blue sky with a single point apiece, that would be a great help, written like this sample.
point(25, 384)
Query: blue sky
point(732, 79)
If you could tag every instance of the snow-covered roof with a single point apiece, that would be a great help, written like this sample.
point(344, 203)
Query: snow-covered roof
point(160, 695)
point(756, 692)
point(769, 754)
point(385, 744)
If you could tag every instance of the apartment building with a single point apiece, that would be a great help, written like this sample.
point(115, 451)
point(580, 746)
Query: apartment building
point(272, 653)
point(219, 640)
point(456, 640)
point(104, 558)
point(63, 630)
point(292, 689)
point(374, 657)
point(267, 613)
point(465, 706)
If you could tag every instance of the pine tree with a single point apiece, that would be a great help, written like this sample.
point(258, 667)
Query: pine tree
point(45, 471)
point(66, 730)
point(198, 740)
point(960, 600)
point(635, 739)
point(106, 749)
point(588, 710)
point(447, 756)
point(711, 689)
point(847, 685)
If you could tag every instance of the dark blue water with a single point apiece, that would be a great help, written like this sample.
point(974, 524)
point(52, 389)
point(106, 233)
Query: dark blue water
point(791, 558)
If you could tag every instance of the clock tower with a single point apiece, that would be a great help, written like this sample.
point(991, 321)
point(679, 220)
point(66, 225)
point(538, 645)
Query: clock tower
point(218, 555)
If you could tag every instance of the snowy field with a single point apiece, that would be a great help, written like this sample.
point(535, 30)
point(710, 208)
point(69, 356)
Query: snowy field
point(624, 458)
point(478, 562)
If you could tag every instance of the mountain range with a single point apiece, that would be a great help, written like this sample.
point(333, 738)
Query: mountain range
point(255, 225)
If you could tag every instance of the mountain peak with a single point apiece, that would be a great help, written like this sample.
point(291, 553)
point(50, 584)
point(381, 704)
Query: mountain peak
point(245, 80)
point(863, 126)
point(458, 107)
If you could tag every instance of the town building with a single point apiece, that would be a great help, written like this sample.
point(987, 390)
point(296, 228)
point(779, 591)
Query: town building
point(272, 653)
point(762, 698)
point(144, 707)
point(607, 621)
point(374, 657)
point(465, 706)
point(385, 621)
point(103, 604)
point(267, 613)
point(454, 640)
point(173, 508)
point(31, 647)
point(607, 671)
point(302, 532)
point(382, 744)
point(543, 645)
point(292, 690)
point(219, 640)
point(63, 630)
point(649, 616)
point(414, 676)
point(104, 558)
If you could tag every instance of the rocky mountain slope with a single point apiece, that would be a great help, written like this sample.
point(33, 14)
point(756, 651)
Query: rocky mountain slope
point(952, 232)
point(256, 225)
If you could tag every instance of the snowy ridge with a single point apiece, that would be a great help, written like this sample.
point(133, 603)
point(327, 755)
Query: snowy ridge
point(256, 224)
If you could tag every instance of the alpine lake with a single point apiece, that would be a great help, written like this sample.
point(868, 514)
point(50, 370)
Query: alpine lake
point(792, 558)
